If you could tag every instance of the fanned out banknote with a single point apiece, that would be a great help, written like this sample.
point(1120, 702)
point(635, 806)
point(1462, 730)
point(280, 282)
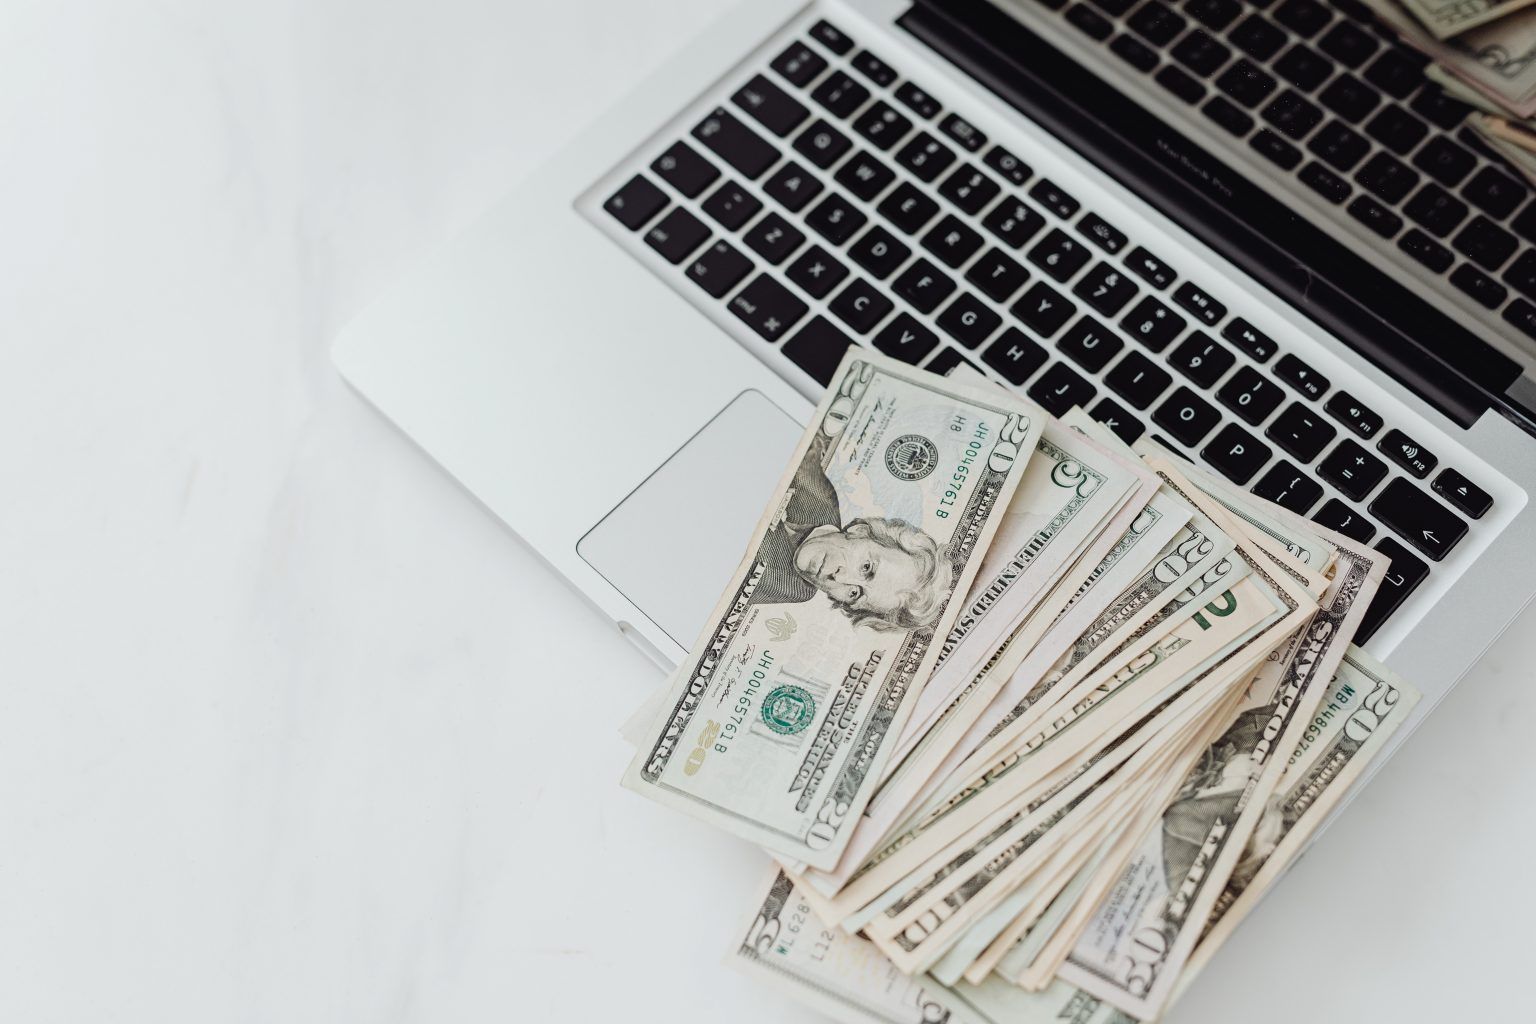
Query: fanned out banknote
point(1446, 18)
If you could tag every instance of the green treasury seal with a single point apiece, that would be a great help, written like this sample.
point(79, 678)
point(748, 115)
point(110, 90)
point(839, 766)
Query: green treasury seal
point(788, 710)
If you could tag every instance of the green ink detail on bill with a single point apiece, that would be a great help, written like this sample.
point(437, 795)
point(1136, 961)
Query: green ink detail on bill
point(788, 710)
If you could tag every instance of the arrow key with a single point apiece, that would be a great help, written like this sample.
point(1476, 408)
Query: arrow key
point(1463, 493)
point(1419, 519)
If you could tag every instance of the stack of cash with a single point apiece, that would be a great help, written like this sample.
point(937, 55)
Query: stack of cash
point(1484, 54)
point(1028, 719)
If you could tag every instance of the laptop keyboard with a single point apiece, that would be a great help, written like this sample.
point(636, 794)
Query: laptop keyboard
point(1326, 93)
point(832, 201)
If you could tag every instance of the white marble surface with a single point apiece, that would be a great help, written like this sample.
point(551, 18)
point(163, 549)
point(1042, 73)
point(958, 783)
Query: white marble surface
point(290, 729)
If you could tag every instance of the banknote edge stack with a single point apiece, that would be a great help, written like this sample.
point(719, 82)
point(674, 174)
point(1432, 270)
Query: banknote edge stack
point(1056, 793)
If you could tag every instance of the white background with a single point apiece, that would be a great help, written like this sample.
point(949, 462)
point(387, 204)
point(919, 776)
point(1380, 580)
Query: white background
point(290, 729)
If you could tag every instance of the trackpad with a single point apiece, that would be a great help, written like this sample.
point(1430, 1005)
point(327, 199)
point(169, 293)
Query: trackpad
point(670, 547)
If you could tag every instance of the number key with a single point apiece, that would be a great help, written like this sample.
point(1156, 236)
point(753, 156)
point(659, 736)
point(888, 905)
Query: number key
point(1153, 324)
point(1201, 358)
point(1250, 396)
point(1105, 288)
point(1058, 255)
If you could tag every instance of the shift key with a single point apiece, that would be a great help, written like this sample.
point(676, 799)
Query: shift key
point(1419, 519)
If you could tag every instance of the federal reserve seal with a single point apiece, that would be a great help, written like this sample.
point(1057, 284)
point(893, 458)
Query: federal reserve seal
point(788, 710)
point(911, 457)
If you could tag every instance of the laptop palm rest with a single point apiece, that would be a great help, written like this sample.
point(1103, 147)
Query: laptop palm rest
point(671, 545)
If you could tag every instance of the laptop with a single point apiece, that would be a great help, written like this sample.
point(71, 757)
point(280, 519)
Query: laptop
point(1250, 228)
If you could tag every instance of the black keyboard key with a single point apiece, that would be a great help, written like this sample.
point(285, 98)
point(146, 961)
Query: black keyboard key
point(1443, 160)
point(1301, 432)
point(1494, 192)
point(1059, 389)
point(1349, 97)
point(1407, 453)
point(768, 308)
point(818, 348)
point(1293, 114)
point(1324, 182)
point(1155, 22)
point(1246, 82)
point(860, 305)
point(1236, 454)
point(735, 143)
point(774, 108)
point(947, 360)
point(1134, 52)
point(840, 94)
point(1397, 129)
point(969, 189)
point(1340, 518)
point(1228, 115)
point(1352, 469)
point(969, 320)
point(1138, 379)
point(1522, 315)
point(731, 206)
point(1013, 221)
point(873, 68)
point(1439, 109)
point(1354, 414)
point(1201, 358)
point(677, 234)
point(792, 186)
point(817, 272)
point(1186, 416)
point(835, 219)
point(1250, 395)
point(1015, 356)
point(774, 238)
point(1009, 166)
point(1090, 22)
point(1521, 274)
point(1114, 8)
point(1304, 67)
point(1257, 37)
point(923, 285)
point(1150, 268)
point(915, 99)
point(799, 64)
point(1435, 210)
point(1485, 243)
point(1127, 427)
point(1101, 233)
point(1488, 292)
point(952, 240)
point(1089, 344)
point(1059, 255)
point(906, 339)
point(1201, 53)
point(832, 37)
point(1338, 144)
point(1054, 198)
point(684, 169)
point(1288, 487)
point(882, 124)
point(1304, 17)
point(1249, 339)
point(1463, 494)
point(1300, 376)
point(1396, 74)
point(1387, 178)
point(1105, 288)
point(908, 208)
point(1043, 310)
point(1348, 43)
point(864, 175)
point(1197, 301)
point(925, 156)
point(1426, 250)
point(1419, 519)
point(1375, 216)
point(963, 132)
point(719, 269)
point(1275, 149)
point(997, 274)
point(879, 252)
point(822, 144)
point(1182, 84)
point(1153, 324)
point(636, 203)
point(1403, 577)
point(1213, 14)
